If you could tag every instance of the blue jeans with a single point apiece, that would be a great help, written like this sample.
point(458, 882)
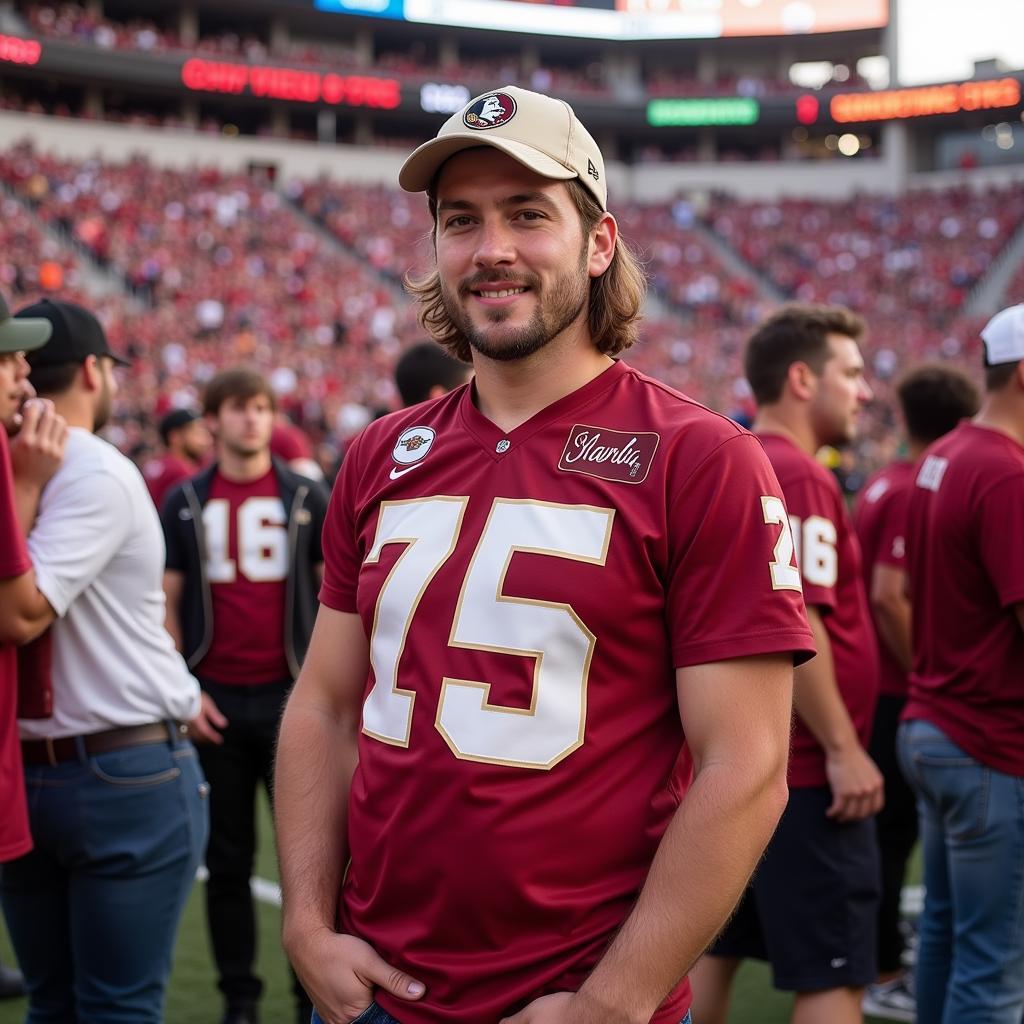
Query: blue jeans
point(373, 1014)
point(93, 910)
point(970, 962)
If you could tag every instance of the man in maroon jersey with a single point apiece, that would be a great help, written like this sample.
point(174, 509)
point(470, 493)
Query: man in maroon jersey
point(933, 399)
point(243, 566)
point(811, 909)
point(961, 743)
point(530, 584)
point(39, 452)
point(187, 440)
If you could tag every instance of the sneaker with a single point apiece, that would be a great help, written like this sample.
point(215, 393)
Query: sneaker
point(890, 1000)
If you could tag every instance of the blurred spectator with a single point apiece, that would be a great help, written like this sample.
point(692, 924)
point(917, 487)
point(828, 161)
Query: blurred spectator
point(187, 442)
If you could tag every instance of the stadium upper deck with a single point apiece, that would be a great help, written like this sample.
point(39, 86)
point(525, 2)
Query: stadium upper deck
point(301, 69)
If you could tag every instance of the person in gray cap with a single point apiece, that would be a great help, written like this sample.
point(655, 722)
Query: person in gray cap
point(484, 809)
point(38, 454)
point(961, 744)
point(117, 801)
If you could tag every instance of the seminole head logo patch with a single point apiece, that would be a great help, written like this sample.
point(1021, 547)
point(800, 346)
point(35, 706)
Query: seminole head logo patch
point(490, 111)
point(412, 445)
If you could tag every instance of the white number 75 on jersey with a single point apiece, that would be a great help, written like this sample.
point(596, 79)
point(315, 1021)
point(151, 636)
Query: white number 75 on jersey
point(551, 633)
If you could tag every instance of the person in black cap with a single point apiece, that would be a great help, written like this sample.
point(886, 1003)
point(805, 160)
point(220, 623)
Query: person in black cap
point(44, 435)
point(116, 795)
point(187, 440)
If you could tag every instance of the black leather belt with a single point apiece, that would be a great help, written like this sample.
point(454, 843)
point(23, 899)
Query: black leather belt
point(66, 748)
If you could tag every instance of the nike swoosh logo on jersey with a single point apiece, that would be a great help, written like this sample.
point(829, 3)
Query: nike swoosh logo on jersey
point(396, 472)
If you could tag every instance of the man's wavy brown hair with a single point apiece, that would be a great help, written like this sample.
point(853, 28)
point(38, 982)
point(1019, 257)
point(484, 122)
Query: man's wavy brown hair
point(613, 310)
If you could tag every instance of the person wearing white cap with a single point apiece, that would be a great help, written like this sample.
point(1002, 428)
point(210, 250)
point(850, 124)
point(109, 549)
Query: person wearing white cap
point(961, 744)
point(529, 587)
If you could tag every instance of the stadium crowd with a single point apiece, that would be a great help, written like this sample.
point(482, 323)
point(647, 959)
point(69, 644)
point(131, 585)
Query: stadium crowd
point(225, 268)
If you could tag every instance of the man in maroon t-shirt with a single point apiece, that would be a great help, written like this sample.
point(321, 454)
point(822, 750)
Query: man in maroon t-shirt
point(39, 451)
point(961, 744)
point(187, 440)
point(812, 905)
point(933, 399)
point(243, 567)
point(531, 585)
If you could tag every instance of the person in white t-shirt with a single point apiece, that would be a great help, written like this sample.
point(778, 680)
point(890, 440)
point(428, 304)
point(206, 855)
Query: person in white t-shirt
point(117, 798)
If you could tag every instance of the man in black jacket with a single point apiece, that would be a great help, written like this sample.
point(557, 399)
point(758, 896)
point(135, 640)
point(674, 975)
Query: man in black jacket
point(243, 568)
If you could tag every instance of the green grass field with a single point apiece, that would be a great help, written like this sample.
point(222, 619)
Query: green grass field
point(193, 997)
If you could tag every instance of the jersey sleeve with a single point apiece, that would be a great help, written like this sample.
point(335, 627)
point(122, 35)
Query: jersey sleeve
point(172, 526)
point(732, 589)
point(892, 537)
point(81, 526)
point(1002, 540)
point(13, 554)
point(816, 520)
point(342, 557)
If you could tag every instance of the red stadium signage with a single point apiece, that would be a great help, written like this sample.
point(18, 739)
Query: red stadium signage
point(289, 84)
point(19, 51)
point(933, 99)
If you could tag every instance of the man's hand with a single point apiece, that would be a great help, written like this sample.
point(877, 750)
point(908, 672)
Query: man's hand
point(340, 973)
point(207, 726)
point(858, 789)
point(38, 448)
point(566, 1008)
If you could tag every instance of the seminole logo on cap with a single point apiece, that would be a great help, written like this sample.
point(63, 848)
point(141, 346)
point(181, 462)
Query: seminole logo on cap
point(491, 111)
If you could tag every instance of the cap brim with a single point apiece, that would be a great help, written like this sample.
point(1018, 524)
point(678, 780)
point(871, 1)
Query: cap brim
point(24, 335)
point(421, 168)
point(118, 360)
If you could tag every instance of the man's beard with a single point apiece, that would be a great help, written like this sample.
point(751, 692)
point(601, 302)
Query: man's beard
point(555, 310)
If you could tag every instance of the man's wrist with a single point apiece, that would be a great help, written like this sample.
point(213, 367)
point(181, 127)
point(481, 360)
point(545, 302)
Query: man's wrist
point(297, 933)
point(596, 1004)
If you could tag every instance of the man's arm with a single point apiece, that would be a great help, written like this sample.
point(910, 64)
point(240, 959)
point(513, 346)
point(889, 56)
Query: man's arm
point(174, 587)
point(316, 758)
point(891, 610)
point(24, 612)
point(857, 785)
point(737, 715)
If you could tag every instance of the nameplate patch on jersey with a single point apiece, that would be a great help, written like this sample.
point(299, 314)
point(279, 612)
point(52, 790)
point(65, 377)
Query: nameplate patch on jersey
point(619, 455)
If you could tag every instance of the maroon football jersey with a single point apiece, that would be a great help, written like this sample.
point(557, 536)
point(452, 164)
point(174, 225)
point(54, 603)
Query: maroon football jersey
point(880, 519)
point(245, 525)
point(15, 838)
point(965, 557)
point(527, 596)
point(830, 563)
point(162, 473)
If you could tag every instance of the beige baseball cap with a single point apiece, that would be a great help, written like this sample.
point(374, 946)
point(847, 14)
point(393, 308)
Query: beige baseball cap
point(540, 132)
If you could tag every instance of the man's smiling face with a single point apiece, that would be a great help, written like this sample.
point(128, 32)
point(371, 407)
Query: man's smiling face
point(511, 254)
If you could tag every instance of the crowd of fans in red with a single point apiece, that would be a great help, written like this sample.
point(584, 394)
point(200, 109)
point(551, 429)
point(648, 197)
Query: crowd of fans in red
point(224, 269)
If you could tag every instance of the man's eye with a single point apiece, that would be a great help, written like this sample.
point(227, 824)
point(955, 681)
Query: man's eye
point(457, 222)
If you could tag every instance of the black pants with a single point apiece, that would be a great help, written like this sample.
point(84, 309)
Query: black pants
point(897, 831)
point(234, 770)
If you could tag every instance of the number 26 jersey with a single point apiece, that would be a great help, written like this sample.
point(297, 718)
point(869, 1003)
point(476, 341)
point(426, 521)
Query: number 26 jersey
point(527, 597)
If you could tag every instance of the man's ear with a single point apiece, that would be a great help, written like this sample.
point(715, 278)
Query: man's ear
point(602, 245)
point(91, 374)
point(801, 380)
